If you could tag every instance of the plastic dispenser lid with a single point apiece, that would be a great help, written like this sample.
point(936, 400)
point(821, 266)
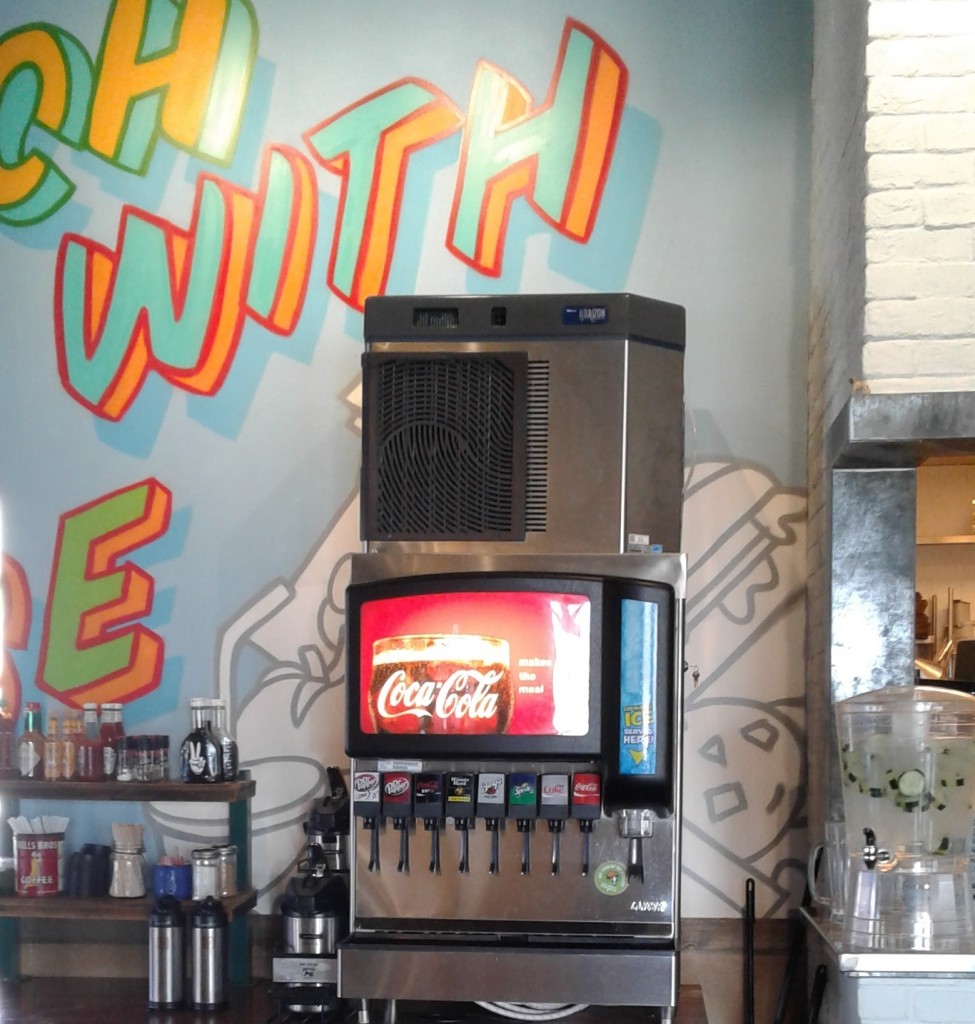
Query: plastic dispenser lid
point(939, 706)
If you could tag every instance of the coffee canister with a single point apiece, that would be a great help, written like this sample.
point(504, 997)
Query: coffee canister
point(166, 955)
point(39, 862)
point(208, 950)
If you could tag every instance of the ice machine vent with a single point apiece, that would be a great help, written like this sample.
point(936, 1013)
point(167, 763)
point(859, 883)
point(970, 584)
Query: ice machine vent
point(536, 493)
point(444, 439)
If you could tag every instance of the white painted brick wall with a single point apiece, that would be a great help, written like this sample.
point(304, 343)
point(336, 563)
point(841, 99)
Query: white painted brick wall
point(919, 205)
point(893, 300)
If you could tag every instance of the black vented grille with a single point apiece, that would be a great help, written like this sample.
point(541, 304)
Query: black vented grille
point(536, 488)
point(444, 446)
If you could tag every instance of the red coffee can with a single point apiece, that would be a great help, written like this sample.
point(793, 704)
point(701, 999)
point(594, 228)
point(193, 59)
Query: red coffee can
point(39, 860)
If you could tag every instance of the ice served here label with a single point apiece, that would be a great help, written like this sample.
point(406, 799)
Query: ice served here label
point(638, 689)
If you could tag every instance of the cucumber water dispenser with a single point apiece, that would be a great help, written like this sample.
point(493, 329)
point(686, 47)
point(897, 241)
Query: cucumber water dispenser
point(907, 759)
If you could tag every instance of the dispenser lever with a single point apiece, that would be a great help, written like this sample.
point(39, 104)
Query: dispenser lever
point(554, 807)
point(490, 806)
point(397, 804)
point(366, 802)
point(523, 807)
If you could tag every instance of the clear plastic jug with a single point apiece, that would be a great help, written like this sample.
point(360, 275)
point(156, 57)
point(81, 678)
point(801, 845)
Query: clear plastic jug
point(907, 758)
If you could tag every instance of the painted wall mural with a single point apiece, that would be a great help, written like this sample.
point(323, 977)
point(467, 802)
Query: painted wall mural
point(197, 197)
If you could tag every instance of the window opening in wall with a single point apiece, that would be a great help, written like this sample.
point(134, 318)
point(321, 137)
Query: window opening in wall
point(945, 571)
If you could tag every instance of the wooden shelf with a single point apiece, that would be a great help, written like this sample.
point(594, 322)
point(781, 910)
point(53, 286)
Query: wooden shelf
point(104, 908)
point(213, 792)
point(962, 538)
point(237, 795)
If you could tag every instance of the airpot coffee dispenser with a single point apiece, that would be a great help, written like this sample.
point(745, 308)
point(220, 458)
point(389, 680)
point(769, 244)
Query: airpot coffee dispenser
point(908, 766)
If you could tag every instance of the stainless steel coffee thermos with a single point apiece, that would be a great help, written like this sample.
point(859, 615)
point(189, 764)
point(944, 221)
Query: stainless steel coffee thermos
point(166, 941)
point(208, 955)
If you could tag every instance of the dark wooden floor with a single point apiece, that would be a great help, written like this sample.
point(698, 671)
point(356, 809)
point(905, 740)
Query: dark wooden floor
point(123, 1001)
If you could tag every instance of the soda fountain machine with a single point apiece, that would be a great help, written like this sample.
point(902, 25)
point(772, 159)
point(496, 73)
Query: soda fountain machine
point(515, 639)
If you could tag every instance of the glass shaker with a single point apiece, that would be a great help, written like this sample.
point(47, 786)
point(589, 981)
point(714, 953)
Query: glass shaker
point(128, 870)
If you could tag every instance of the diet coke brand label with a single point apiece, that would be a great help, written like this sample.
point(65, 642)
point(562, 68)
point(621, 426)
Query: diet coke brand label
point(440, 684)
point(554, 790)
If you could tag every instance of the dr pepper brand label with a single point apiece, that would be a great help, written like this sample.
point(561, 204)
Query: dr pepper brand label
point(365, 792)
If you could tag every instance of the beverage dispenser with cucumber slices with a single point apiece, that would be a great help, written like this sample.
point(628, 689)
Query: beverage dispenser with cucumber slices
point(908, 772)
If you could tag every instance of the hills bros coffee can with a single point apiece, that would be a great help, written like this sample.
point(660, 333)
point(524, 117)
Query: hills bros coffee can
point(40, 863)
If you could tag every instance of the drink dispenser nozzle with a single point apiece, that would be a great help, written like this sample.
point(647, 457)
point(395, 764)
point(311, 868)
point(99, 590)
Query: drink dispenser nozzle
point(366, 804)
point(490, 807)
point(428, 804)
point(635, 825)
point(554, 808)
point(523, 807)
point(398, 805)
point(460, 807)
point(587, 807)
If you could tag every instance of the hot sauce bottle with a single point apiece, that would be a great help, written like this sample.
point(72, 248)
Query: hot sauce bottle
point(91, 759)
point(70, 735)
point(52, 747)
point(8, 767)
point(111, 731)
point(30, 744)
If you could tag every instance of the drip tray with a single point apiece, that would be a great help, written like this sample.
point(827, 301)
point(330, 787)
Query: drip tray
point(610, 975)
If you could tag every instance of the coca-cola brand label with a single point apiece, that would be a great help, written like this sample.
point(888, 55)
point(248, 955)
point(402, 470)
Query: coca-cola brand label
point(586, 795)
point(439, 684)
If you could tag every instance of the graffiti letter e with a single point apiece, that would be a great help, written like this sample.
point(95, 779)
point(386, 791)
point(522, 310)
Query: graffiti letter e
point(82, 657)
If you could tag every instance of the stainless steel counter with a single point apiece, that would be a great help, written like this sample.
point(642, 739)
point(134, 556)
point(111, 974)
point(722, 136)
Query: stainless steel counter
point(952, 961)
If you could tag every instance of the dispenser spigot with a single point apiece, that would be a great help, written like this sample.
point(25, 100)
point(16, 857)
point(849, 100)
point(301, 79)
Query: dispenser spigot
point(871, 855)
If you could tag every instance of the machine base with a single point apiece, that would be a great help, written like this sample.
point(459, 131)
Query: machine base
point(597, 975)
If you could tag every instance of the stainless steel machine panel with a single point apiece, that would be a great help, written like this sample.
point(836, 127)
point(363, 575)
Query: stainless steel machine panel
point(608, 976)
point(605, 414)
point(603, 902)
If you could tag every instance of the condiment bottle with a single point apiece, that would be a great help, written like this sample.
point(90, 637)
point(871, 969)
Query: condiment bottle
point(111, 731)
point(91, 760)
point(199, 753)
point(226, 742)
point(70, 734)
point(52, 747)
point(7, 727)
point(30, 744)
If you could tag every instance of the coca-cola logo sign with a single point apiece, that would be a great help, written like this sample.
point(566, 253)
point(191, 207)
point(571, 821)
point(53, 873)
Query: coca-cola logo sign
point(438, 683)
point(590, 789)
point(467, 693)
